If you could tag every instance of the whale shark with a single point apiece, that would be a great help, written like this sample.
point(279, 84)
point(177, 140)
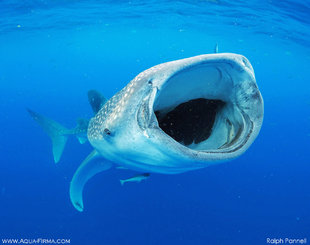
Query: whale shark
point(59, 134)
point(175, 117)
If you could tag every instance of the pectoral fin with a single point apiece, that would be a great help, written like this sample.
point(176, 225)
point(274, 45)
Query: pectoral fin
point(92, 165)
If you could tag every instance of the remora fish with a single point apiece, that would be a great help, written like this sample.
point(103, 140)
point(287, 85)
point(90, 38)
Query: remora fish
point(136, 178)
point(175, 117)
point(59, 134)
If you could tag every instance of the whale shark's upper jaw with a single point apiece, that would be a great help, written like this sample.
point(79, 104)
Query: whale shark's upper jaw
point(199, 109)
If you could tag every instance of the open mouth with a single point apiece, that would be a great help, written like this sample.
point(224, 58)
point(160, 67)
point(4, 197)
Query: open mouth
point(191, 121)
point(201, 107)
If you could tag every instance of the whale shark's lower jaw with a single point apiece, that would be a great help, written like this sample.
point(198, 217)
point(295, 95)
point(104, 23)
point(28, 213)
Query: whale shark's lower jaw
point(209, 110)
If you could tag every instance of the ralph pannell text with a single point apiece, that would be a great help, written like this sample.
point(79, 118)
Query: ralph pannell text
point(286, 240)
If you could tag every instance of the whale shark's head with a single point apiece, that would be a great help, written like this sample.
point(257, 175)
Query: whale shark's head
point(181, 115)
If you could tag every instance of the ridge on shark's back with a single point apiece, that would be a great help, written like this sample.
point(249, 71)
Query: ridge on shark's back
point(59, 134)
point(175, 117)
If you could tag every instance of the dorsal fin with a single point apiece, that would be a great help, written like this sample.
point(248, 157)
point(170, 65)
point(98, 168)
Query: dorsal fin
point(96, 100)
point(216, 48)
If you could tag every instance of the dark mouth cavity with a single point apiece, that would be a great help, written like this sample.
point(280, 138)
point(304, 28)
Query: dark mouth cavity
point(191, 121)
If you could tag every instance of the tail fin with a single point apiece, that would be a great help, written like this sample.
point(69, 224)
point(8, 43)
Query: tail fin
point(122, 182)
point(54, 130)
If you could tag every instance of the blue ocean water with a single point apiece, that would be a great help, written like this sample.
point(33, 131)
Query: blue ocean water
point(53, 52)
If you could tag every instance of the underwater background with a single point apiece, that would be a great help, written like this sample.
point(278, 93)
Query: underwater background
point(53, 52)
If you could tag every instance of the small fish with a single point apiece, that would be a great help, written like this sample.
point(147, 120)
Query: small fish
point(137, 178)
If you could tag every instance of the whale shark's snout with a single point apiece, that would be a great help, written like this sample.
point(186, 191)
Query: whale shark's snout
point(175, 117)
point(181, 115)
